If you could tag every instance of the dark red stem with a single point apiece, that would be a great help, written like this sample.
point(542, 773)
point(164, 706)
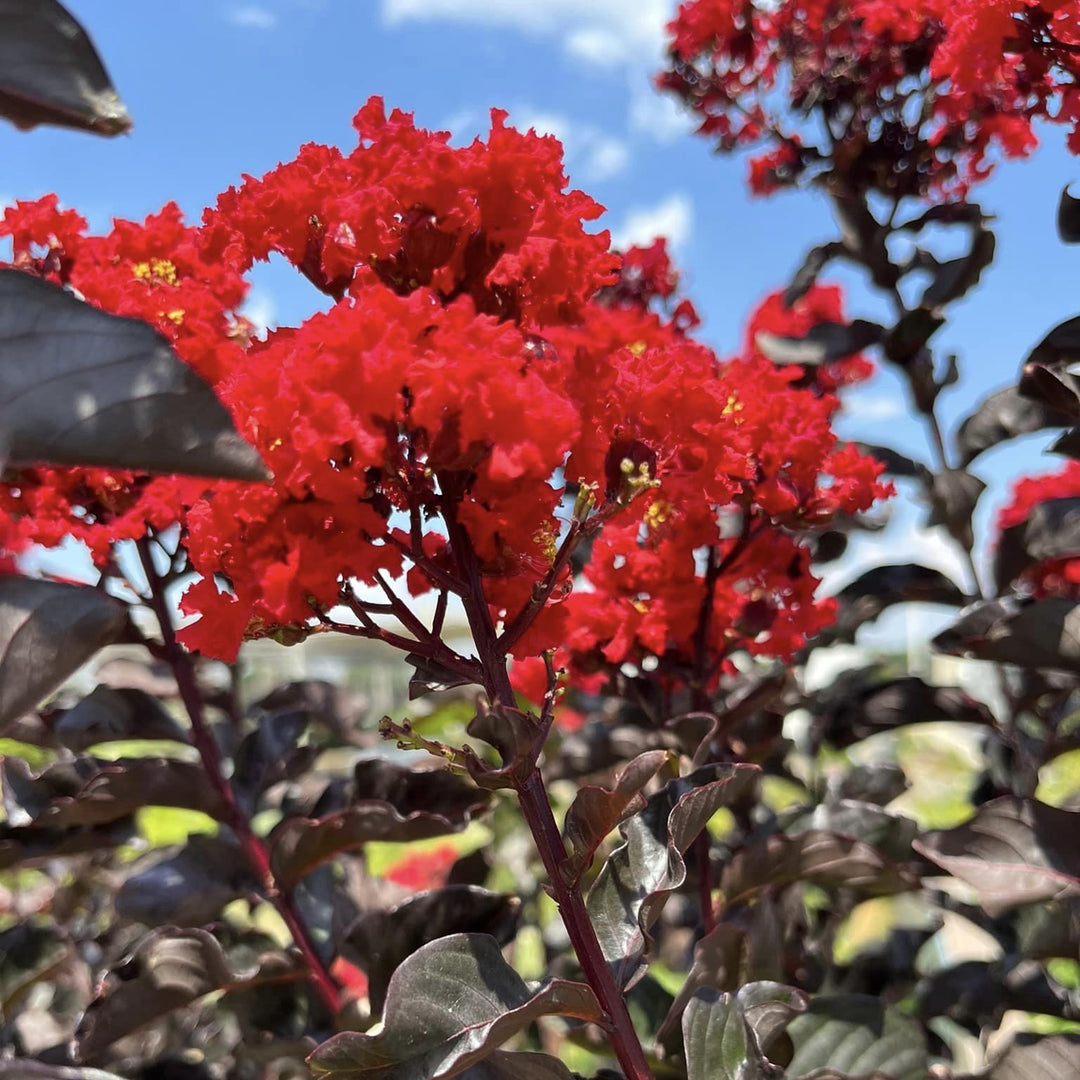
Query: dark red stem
point(202, 738)
point(536, 809)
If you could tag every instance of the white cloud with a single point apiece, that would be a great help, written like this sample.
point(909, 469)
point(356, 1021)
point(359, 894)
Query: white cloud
point(672, 218)
point(874, 408)
point(658, 115)
point(253, 17)
point(591, 154)
point(261, 310)
point(600, 31)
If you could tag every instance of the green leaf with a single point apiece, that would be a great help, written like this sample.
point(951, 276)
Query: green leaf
point(851, 1035)
point(635, 882)
point(47, 632)
point(1012, 852)
point(449, 1006)
point(81, 387)
point(50, 72)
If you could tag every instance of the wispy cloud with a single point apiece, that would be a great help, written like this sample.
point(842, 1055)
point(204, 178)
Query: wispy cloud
point(261, 310)
point(672, 218)
point(253, 17)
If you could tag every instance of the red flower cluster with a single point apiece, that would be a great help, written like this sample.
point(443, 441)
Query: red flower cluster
point(1052, 577)
point(912, 98)
point(483, 353)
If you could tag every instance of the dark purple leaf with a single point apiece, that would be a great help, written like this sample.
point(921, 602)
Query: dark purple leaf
point(270, 754)
point(1012, 852)
point(890, 834)
point(1029, 633)
point(47, 632)
point(824, 858)
point(449, 1006)
point(89, 792)
point(82, 387)
point(168, 969)
point(382, 940)
point(856, 707)
point(299, 845)
point(50, 72)
point(957, 277)
point(1051, 531)
point(1068, 217)
point(806, 276)
point(518, 738)
point(953, 495)
point(1068, 444)
point(823, 343)
point(978, 992)
point(430, 677)
point(109, 715)
point(728, 1036)
point(876, 590)
point(504, 1065)
point(1054, 356)
point(1005, 414)
point(595, 811)
point(1036, 1057)
point(413, 791)
point(852, 1035)
point(334, 708)
point(637, 879)
point(29, 952)
point(189, 888)
point(1050, 929)
point(22, 1069)
point(905, 345)
point(28, 846)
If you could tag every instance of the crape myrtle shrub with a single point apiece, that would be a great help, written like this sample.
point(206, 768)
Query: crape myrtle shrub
point(493, 414)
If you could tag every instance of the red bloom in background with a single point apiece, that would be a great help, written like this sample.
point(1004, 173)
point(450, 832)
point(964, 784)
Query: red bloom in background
point(910, 99)
point(1051, 577)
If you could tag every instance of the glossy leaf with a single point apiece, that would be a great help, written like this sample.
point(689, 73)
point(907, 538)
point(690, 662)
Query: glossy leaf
point(270, 754)
point(727, 1036)
point(1005, 414)
point(27, 846)
point(382, 940)
point(505, 1065)
point(89, 792)
point(47, 632)
point(806, 276)
point(954, 494)
point(1068, 217)
point(876, 590)
point(23, 1069)
point(28, 953)
point(81, 387)
point(108, 715)
point(896, 464)
point(188, 888)
point(449, 1006)
point(1031, 1056)
point(824, 858)
point(50, 72)
point(957, 277)
point(638, 877)
point(1012, 852)
point(823, 343)
point(595, 810)
point(168, 969)
point(855, 1036)
point(1029, 633)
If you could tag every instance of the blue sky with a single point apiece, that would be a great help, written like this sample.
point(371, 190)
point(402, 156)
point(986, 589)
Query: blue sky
point(219, 88)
